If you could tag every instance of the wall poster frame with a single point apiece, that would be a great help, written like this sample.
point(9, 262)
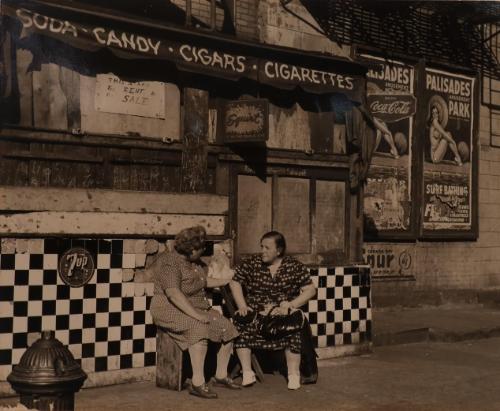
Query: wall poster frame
point(449, 154)
point(389, 210)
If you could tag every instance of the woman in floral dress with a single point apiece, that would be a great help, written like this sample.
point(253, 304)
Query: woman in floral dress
point(270, 279)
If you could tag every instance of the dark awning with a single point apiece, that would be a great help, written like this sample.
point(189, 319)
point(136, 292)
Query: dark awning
point(126, 35)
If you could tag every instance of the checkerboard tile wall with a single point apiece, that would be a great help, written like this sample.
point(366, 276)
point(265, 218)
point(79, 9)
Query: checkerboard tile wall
point(106, 324)
point(341, 312)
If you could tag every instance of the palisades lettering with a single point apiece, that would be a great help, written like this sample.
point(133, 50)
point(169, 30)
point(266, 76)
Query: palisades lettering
point(458, 91)
point(394, 74)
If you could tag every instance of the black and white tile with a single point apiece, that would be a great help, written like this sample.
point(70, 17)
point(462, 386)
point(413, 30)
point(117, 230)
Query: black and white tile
point(106, 324)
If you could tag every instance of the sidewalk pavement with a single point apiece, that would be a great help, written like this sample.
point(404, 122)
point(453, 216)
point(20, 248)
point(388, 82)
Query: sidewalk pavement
point(447, 323)
point(429, 375)
point(424, 376)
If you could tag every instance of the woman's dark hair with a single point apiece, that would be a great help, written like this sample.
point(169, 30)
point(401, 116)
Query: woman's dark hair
point(430, 119)
point(279, 240)
point(190, 239)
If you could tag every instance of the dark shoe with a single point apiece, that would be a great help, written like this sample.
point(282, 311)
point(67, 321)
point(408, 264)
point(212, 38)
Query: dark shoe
point(226, 382)
point(202, 391)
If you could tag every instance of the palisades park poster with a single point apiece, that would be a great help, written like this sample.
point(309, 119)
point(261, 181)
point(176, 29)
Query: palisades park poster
point(448, 146)
point(391, 101)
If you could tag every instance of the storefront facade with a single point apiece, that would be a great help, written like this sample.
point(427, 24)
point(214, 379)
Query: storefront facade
point(117, 134)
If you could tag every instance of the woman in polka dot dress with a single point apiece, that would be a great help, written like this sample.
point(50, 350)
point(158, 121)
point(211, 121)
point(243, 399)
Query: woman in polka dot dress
point(181, 308)
point(270, 279)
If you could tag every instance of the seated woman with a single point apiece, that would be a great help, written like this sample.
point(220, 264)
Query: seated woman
point(270, 279)
point(440, 139)
point(180, 306)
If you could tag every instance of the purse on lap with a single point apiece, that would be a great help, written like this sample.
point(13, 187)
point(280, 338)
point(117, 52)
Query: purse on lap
point(275, 327)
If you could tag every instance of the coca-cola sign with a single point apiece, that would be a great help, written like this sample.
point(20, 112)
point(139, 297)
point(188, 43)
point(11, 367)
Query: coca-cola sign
point(392, 107)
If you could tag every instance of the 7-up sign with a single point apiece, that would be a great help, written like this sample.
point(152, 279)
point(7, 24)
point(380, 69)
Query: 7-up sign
point(76, 267)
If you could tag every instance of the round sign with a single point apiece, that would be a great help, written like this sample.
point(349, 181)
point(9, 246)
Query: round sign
point(76, 267)
point(405, 260)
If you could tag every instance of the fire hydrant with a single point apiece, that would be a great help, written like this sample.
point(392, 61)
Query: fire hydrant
point(47, 376)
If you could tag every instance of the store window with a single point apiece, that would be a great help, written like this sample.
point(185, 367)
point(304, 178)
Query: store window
point(309, 209)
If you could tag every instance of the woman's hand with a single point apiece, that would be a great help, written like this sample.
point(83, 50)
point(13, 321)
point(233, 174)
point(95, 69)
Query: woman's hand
point(243, 311)
point(204, 318)
point(286, 304)
point(217, 282)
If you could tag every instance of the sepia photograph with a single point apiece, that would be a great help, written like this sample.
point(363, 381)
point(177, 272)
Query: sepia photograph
point(249, 205)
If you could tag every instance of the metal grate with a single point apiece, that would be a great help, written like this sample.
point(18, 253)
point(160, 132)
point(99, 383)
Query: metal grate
point(447, 32)
point(490, 95)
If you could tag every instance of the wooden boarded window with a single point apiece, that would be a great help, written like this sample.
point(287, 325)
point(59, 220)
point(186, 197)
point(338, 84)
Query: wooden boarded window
point(292, 215)
point(329, 225)
point(254, 212)
point(309, 209)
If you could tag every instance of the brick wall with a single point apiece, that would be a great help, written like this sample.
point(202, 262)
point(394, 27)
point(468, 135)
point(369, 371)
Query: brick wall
point(246, 15)
point(280, 27)
point(458, 271)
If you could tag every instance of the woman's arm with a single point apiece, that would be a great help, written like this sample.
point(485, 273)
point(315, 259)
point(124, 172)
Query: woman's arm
point(239, 298)
point(307, 292)
point(445, 134)
point(180, 301)
point(217, 282)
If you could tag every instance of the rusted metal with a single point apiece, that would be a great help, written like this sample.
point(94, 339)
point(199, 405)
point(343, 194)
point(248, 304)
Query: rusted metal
point(47, 375)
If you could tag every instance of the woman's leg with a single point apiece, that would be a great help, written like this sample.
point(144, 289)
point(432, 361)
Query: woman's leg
point(439, 151)
point(293, 365)
point(197, 354)
point(245, 357)
point(292, 362)
point(453, 147)
point(390, 140)
point(223, 357)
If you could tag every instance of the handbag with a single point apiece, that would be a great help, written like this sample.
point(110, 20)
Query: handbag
point(275, 327)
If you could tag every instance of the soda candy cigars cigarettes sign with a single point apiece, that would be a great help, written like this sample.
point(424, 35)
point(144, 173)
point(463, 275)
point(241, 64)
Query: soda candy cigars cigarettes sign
point(392, 107)
point(189, 57)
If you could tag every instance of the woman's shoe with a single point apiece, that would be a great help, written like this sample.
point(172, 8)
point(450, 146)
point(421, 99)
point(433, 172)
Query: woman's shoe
point(248, 379)
point(202, 391)
point(293, 382)
point(226, 382)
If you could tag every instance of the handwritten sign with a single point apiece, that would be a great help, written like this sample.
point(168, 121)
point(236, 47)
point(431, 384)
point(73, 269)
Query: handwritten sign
point(76, 267)
point(142, 98)
point(246, 121)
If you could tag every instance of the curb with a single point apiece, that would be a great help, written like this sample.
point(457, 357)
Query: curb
point(432, 334)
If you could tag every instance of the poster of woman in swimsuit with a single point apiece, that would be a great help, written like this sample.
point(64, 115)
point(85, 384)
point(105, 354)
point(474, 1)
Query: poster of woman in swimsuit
point(448, 151)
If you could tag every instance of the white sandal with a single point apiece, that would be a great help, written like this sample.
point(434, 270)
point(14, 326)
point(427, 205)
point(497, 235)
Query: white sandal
point(293, 381)
point(248, 379)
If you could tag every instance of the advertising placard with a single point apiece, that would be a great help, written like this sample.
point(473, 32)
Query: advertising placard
point(448, 151)
point(391, 101)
